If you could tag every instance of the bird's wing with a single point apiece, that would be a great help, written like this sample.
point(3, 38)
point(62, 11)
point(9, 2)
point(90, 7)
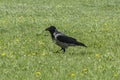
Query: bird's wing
point(66, 39)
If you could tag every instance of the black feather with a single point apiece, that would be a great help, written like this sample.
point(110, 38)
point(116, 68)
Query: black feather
point(66, 39)
point(80, 44)
point(69, 40)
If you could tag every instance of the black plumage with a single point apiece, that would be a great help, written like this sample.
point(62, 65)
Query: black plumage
point(69, 40)
point(62, 40)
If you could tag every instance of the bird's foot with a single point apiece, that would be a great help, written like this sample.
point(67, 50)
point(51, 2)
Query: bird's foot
point(62, 49)
point(58, 51)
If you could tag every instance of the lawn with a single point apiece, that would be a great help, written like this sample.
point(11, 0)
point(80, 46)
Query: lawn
point(27, 50)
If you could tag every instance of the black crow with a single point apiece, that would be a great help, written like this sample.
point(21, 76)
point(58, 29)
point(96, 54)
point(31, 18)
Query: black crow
point(62, 40)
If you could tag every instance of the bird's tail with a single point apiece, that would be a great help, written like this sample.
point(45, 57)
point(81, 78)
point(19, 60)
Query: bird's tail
point(80, 44)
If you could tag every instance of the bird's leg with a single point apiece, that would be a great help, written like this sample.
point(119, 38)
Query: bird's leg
point(63, 50)
point(58, 50)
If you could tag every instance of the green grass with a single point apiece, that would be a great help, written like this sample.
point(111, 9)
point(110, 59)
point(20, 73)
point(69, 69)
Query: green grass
point(27, 51)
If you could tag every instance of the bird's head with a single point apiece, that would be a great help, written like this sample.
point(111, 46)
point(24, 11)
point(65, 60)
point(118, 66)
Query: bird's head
point(51, 29)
